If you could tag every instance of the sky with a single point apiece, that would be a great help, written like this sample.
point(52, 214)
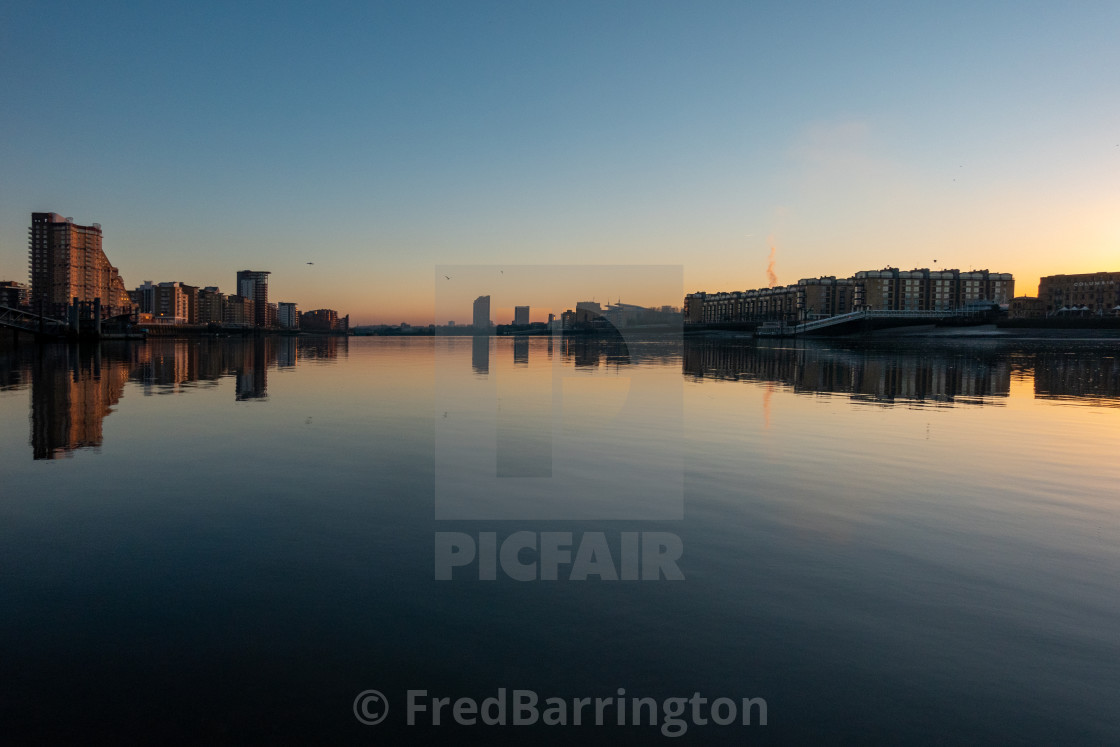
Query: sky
point(381, 140)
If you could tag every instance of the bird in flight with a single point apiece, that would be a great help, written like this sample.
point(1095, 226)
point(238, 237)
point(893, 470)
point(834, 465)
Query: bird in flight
point(310, 263)
point(447, 276)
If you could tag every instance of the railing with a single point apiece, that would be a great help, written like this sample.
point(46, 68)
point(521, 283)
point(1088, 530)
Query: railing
point(28, 322)
point(783, 330)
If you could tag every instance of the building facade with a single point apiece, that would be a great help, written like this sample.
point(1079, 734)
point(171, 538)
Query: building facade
point(481, 315)
point(288, 315)
point(931, 290)
point(587, 311)
point(14, 295)
point(67, 262)
point(521, 315)
point(323, 320)
point(210, 301)
point(1086, 294)
point(1027, 307)
point(144, 298)
point(253, 284)
point(238, 311)
point(823, 297)
point(171, 304)
point(887, 289)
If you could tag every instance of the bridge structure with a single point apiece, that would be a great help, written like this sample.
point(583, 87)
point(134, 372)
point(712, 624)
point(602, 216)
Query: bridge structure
point(869, 316)
point(26, 321)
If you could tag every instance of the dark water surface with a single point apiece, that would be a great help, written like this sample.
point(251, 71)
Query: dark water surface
point(226, 540)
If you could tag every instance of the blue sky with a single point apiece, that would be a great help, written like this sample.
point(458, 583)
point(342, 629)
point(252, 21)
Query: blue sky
point(379, 140)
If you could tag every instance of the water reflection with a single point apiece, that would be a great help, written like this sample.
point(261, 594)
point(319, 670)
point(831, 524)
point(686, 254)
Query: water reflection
point(880, 375)
point(73, 388)
point(480, 354)
point(1068, 376)
point(252, 369)
point(593, 352)
point(521, 350)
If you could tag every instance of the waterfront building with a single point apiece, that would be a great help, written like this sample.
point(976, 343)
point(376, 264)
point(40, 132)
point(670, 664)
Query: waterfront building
point(1085, 294)
point(170, 303)
point(288, 315)
point(14, 295)
point(1026, 307)
point(587, 311)
point(887, 289)
point(67, 262)
point(623, 315)
point(694, 307)
point(824, 296)
point(144, 298)
point(253, 284)
point(191, 292)
point(210, 302)
point(931, 290)
point(238, 311)
point(521, 315)
point(482, 314)
point(324, 320)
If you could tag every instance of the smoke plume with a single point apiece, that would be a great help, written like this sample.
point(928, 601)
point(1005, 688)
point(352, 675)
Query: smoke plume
point(770, 276)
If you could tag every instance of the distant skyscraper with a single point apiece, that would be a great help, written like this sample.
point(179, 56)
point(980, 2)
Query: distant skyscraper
point(253, 284)
point(482, 314)
point(521, 315)
point(67, 262)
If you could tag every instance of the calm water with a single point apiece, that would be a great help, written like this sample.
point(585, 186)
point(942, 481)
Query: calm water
point(228, 541)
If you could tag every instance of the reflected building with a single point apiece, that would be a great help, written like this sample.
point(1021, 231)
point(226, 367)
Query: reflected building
point(15, 370)
point(73, 388)
point(869, 374)
point(72, 391)
point(480, 354)
point(521, 351)
point(168, 366)
point(593, 351)
point(322, 349)
point(1091, 379)
point(252, 369)
point(165, 366)
point(287, 352)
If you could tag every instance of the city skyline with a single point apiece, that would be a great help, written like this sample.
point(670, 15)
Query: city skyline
point(66, 260)
point(401, 138)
